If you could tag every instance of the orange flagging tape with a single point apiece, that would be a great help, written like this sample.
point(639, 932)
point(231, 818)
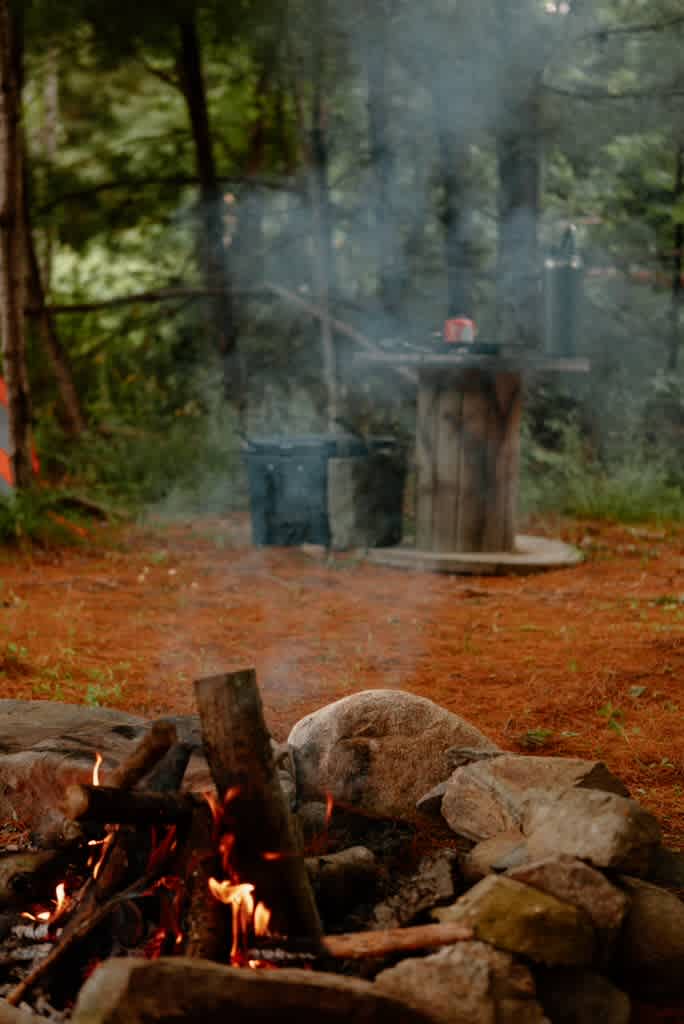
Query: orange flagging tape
point(6, 468)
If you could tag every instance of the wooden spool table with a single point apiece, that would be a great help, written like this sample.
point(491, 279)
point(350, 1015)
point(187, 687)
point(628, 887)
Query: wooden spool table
point(467, 464)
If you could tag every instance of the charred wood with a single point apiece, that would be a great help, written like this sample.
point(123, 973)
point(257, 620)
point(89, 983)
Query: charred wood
point(109, 805)
point(265, 850)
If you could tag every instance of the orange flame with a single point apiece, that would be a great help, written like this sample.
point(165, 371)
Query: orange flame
point(96, 770)
point(262, 919)
point(62, 904)
point(103, 853)
point(239, 897)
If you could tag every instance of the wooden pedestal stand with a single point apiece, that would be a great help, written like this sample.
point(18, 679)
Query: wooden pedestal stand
point(467, 465)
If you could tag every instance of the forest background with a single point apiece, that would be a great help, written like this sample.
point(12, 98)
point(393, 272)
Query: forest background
point(209, 210)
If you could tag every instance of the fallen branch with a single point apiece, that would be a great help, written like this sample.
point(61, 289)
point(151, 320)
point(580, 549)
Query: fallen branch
point(362, 945)
point(153, 296)
point(338, 325)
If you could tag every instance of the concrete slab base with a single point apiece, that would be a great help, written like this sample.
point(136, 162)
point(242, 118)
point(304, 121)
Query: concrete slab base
point(532, 554)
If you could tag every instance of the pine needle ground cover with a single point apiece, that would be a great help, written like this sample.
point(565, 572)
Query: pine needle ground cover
point(586, 662)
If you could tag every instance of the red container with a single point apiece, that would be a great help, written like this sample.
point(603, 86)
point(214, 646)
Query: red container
point(459, 330)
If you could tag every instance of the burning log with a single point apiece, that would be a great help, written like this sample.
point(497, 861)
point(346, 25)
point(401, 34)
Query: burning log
point(263, 847)
point(206, 926)
point(82, 927)
point(29, 876)
point(95, 902)
point(109, 805)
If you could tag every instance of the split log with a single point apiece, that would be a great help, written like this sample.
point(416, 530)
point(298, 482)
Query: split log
point(111, 806)
point(265, 851)
point(206, 921)
point(150, 750)
point(363, 945)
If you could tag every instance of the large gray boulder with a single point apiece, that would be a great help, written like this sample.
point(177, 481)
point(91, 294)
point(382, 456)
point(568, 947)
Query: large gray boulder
point(470, 983)
point(379, 750)
point(491, 795)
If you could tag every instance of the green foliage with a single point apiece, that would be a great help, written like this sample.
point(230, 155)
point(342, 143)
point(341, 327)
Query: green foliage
point(114, 204)
point(180, 461)
point(614, 719)
point(534, 739)
point(41, 516)
point(632, 486)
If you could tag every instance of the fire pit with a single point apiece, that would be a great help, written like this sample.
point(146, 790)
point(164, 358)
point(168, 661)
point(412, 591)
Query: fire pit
point(181, 907)
point(467, 458)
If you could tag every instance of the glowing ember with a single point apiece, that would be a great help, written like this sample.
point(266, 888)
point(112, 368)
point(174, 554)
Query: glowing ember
point(329, 805)
point(96, 769)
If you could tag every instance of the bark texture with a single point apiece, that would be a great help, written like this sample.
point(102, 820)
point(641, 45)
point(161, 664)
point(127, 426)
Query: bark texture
point(13, 285)
point(212, 250)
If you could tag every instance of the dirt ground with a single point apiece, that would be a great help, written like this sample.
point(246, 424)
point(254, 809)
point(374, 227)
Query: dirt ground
point(586, 662)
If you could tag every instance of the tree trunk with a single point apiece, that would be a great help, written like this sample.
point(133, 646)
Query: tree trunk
point(74, 417)
point(518, 270)
point(213, 255)
point(322, 220)
point(13, 250)
point(455, 213)
point(522, 46)
point(677, 266)
point(377, 16)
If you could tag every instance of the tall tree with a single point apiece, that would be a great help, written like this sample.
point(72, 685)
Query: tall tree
point(13, 249)
point(212, 212)
point(518, 155)
point(677, 261)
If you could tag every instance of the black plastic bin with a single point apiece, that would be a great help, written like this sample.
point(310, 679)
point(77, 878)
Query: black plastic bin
point(288, 486)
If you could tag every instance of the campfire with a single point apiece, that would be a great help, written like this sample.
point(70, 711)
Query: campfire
point(153, 872)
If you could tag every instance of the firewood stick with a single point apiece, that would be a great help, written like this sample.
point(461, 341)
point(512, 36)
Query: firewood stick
point(152, 747)
point(265, 851)
point(112, 806)
point(362, 945)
